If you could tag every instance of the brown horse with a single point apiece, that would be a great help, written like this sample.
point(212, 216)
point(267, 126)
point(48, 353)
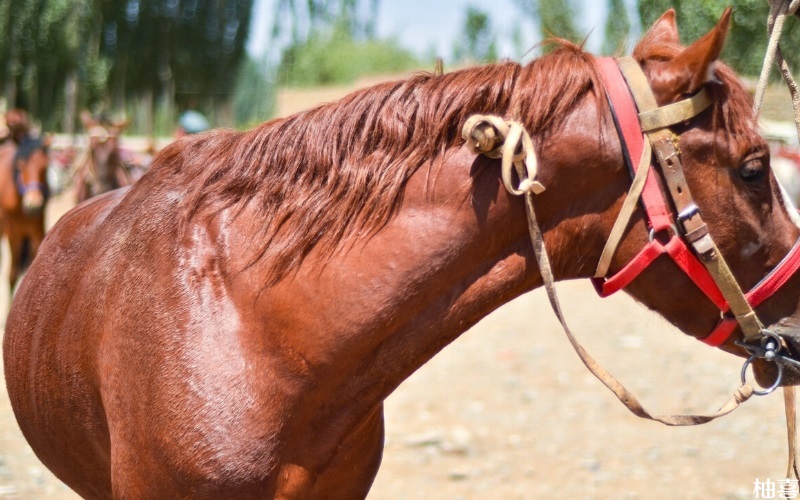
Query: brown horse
point(23, 195)
point(230, 326)
point(102, 169)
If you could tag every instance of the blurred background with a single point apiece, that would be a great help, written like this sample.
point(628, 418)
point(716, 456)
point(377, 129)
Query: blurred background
point(151, 60)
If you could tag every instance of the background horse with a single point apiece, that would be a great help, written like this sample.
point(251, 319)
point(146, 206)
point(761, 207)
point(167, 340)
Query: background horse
point(102, 169)
point(230, 325)
point(23, 195)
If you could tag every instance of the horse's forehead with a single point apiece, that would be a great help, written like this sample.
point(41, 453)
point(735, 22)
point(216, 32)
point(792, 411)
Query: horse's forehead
point(39, 158)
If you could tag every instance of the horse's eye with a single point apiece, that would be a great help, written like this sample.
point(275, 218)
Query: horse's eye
point(752, 170)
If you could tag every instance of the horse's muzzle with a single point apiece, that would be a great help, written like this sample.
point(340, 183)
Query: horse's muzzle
point(33, 203)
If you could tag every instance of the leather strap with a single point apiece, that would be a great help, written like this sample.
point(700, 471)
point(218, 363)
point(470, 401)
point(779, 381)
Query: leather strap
point(790, 408)
point(625, 213)
point(632, 139)
point(658, 213)
point(491, 135)
point(674, 113)
point(764, 289)
point(689, 217)
point(742, 394)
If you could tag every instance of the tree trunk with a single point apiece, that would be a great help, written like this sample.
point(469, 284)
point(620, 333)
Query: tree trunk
point(70, 102)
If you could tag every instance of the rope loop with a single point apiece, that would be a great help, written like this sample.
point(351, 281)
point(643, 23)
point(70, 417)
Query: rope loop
point(778, 12)
point(494, 137)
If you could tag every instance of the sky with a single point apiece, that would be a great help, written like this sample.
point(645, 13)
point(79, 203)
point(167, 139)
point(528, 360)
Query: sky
point(424, 26)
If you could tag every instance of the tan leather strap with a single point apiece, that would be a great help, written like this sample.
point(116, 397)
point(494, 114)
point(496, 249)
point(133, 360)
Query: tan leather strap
point(693, 226)
point(791, 430)
point(674, 113)
point(625, 213)
point(487, 134)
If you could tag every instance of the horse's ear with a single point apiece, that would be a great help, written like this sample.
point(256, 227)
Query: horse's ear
point(694, 67)
point(663, 31)
point(87, 120)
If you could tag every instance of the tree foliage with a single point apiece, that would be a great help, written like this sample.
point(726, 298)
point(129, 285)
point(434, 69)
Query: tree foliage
point(116, 51)
point(747, 40)
point(477, 41)
point(333, 42)
point(557, 19)
point(617, 29)
point(554, 19)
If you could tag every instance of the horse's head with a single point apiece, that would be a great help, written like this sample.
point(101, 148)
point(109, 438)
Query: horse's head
point(30, 173)
point(726, 165)
point(18, 123)
point(104, 148)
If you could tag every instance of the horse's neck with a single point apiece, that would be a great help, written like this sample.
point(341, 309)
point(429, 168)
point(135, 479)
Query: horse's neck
point(457, 249)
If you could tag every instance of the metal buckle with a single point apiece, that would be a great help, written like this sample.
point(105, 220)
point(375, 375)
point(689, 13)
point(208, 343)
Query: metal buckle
point(769, 351)
point(688, 213)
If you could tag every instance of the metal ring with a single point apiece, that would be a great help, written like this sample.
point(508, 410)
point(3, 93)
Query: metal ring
point(770, 389)
point(652, 235)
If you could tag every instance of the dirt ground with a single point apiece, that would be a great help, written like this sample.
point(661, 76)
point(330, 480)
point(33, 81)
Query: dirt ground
point(508, 411)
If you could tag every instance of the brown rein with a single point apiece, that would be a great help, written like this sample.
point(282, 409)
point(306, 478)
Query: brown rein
point(483, 136)
point(494, 137)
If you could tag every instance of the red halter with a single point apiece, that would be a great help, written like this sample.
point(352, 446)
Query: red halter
point(661, 218)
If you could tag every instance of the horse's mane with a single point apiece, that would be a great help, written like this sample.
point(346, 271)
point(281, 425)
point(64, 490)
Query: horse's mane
point(318, 177)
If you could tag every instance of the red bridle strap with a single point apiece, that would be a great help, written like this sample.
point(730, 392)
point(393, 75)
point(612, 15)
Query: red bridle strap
point(659, 214)
point(626, 119)
point(660, 218)
point(680, 254)
point(764, 289)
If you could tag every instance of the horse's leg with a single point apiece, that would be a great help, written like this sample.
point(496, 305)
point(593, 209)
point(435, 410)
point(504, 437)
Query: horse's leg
point(349, 473)
point(141, 472)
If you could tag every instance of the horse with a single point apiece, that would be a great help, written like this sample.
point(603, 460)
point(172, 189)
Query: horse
point(230, 325)
point(23, 196)
point(102, 169)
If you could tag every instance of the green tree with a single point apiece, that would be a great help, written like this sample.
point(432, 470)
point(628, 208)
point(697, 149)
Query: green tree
point(186, 52)
point(477, 42)
point(59, 55)
point(299, 21)
point(339, 58)
point(617, 29)
point(557, 19)
point(554, 18)
point(332, 42)
point(747, 40)
point(45, 47)
point(254, 95)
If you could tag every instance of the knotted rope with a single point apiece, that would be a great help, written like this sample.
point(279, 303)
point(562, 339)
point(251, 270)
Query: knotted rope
point(494, 137)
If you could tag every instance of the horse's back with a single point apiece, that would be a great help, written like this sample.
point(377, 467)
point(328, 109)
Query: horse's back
point(50, 366)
